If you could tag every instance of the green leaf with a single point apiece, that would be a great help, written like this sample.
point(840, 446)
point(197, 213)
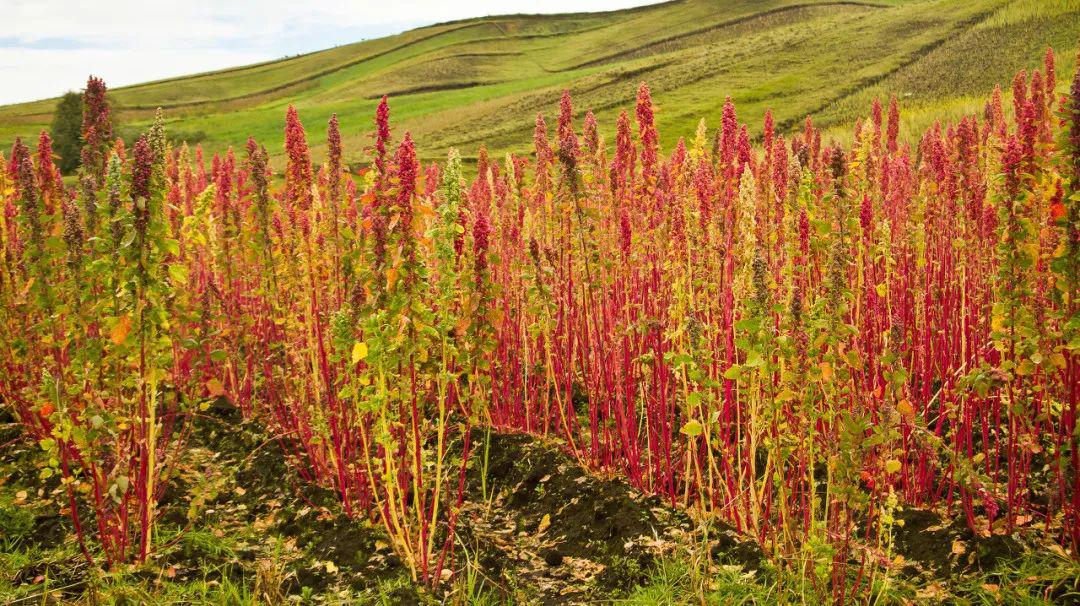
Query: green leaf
point(178, 274)
point(170, 246)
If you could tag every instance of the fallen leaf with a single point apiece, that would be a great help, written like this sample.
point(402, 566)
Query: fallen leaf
point(545, 523)
point(934, 591)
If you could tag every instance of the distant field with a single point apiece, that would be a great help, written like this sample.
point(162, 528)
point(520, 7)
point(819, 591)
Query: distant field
point(481, 81)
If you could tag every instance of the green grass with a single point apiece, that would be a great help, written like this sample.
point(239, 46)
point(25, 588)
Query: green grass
point(481, 81)
point(1036, 578)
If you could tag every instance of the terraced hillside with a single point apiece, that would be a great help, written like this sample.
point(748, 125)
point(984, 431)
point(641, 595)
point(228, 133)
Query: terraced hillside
point(481, 81)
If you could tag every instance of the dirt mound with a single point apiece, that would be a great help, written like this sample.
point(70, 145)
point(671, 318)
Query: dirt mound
point(568, 535)
point(937, 547)
point(315, 546)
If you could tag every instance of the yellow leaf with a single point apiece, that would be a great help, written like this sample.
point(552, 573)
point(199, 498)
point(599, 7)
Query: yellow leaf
point(691, 428)
point(1058, 360)
point(215, 388)
point(826, 371)
point(120, 330)
point(997, 322)
point(359, 351)
point(958, 548)
point(892, 466)
point(545, 522)
point(905, 408)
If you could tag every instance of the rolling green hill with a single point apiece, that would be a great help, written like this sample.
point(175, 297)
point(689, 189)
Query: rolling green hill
point(481, 81)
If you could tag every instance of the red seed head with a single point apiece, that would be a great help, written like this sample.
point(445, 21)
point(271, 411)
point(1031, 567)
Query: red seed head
point(624, 150)
point(19, 154)
point(1028, 127)
point(566, 117)
point(540, 142)
point(482, 163)
point(142, 168)
point(382, 134)
point(1049, 73)
point(624, 233)
point(866, 217)
point(48, 175)
point(481, 233)
point(744, 153)
point(96, 127)
point(729, 126)
point(1012, 160)
point(24, 179)
point(1072, 118)
point(298, 177)
point(780, 168)
point(333, 155)
point(647, 131)
point(568, 156)
point(804, 232)
point(893, 128)
point(768, 133)
point(837, 163)
point(96, 113)
point(1038, 94)
point(678, 155)
point(703, 189)
point(1019, 93)
point(591, 134)
point(407, 170)
point(996, 112)
point(431, 180)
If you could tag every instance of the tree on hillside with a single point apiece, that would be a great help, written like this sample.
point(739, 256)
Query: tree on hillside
point(66, 131)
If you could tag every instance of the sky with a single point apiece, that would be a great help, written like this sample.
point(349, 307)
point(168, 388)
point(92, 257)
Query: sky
point(48, 47)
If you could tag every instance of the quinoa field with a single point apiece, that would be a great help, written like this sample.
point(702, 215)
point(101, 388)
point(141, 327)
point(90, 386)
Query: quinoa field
point(590, 340)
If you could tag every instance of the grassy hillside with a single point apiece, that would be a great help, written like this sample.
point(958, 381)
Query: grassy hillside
point(483, 80)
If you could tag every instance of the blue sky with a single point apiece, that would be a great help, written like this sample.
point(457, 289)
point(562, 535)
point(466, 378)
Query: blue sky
point(48, 47)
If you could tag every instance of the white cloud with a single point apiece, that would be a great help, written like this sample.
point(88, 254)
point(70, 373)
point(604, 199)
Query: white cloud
point(50, 46)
